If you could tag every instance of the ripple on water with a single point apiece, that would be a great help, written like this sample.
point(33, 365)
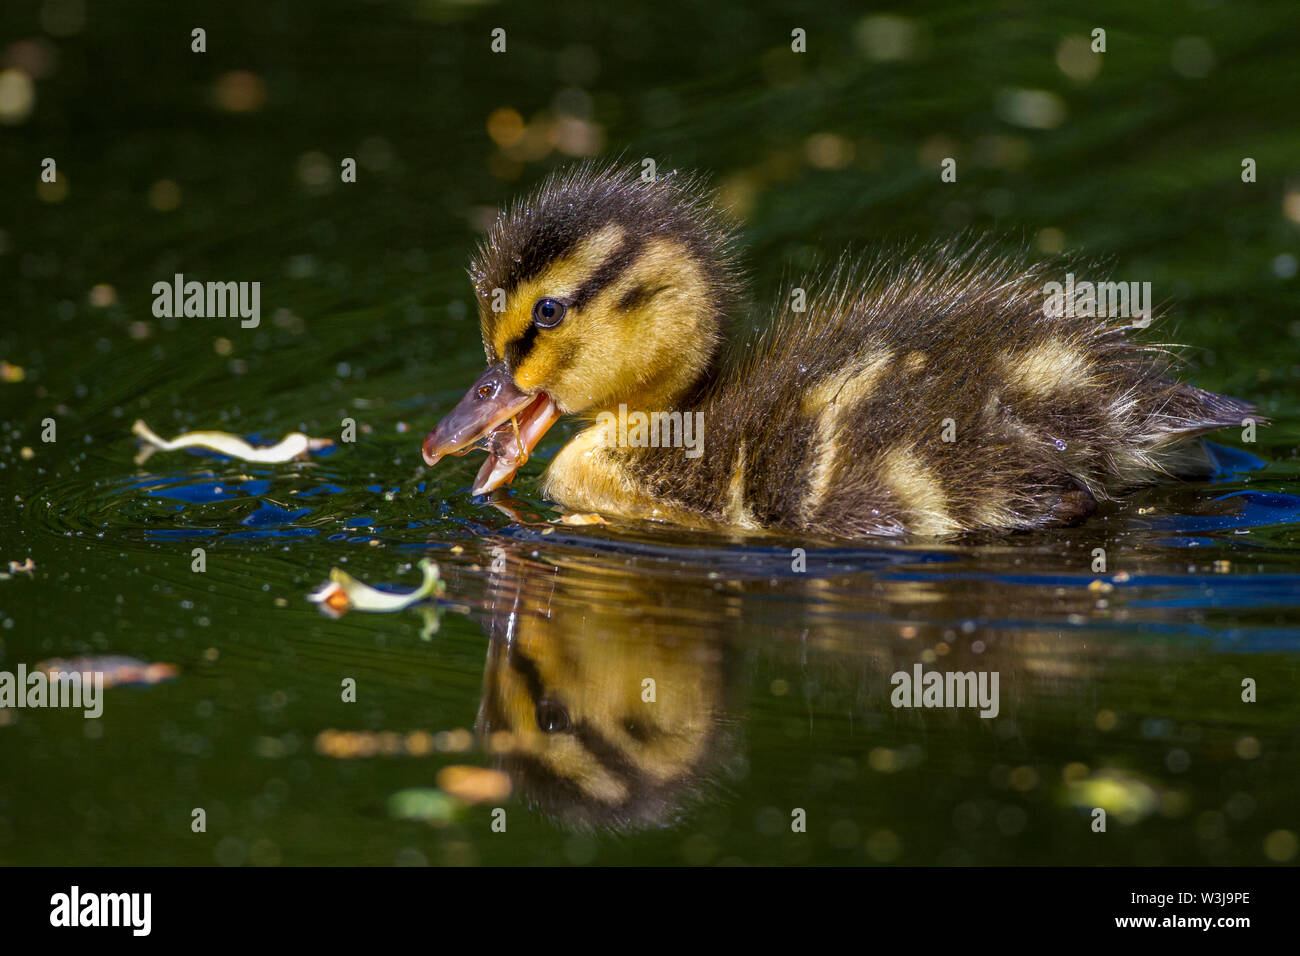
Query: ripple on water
point(1147, 538)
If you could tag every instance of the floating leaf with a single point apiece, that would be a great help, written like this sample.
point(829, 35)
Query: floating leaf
point(345, 593)
point(27, 567)
point(292, 445)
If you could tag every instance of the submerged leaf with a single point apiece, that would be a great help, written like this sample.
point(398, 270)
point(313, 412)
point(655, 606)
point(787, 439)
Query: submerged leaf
point(353, 744)
point(293, 445)
point(345, 593)
point(432, 622)
point(474, 784)
point(1123, 795)
point(423, 803)
point(118, 671)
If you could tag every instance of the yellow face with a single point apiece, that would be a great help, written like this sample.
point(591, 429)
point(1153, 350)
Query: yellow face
point(614, 320)
point(600, 290)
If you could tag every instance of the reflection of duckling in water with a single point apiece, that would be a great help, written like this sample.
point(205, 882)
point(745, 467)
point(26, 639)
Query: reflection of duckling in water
point(608, 723)
point(929, 395)
point(565, 710)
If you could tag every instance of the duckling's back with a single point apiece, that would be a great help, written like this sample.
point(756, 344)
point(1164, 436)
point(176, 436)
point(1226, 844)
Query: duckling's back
point(931, 395)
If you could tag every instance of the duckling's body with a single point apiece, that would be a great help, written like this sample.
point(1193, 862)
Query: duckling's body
point(933, 395)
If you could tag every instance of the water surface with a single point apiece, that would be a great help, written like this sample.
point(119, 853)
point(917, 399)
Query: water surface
point(1119, 689)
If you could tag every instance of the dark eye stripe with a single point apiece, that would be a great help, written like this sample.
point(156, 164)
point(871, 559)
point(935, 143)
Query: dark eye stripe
point(641, 730)
point(518, 350)
point(607, 754)
point(526, 667)
point(609, 271)
point(638, 296)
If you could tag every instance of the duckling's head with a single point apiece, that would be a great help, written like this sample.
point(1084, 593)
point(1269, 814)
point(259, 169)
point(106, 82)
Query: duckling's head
point(602, 288)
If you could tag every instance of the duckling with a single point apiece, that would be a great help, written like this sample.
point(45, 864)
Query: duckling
point(930, 394)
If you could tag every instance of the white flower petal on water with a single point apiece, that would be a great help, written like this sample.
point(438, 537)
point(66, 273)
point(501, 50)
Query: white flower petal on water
point(293, 445)
point(345, 593)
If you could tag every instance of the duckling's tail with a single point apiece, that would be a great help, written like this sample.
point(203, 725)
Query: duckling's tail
point(1170, 444)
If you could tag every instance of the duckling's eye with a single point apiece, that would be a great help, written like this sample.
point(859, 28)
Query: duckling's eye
point(548, 313)
point(552, 718)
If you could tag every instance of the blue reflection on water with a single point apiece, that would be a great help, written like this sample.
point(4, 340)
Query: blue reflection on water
point(1232, 461)
point(1257, 509)
point(269, 514)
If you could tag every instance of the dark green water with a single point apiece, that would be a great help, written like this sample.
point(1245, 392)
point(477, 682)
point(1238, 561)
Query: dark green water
point(1124, 695)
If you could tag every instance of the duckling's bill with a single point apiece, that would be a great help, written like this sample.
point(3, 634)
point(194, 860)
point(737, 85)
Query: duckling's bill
point(495, 410)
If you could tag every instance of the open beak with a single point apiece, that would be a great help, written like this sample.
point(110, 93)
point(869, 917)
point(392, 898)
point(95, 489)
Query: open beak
point(494, 409)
